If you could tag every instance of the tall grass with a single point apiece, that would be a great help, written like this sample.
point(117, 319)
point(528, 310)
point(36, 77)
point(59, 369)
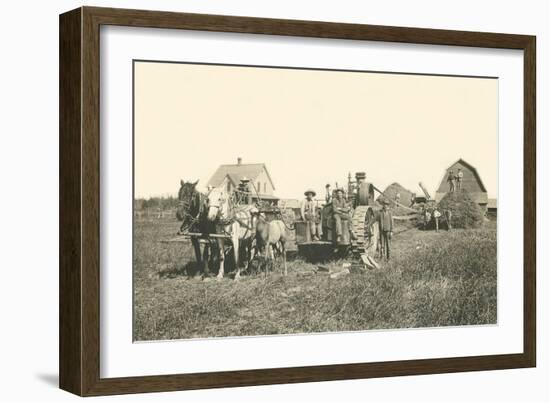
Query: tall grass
point(445, 279)
point(450, 282)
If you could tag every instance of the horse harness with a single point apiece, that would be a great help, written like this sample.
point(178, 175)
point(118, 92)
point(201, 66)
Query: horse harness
point(186, 206)
point(223, 223)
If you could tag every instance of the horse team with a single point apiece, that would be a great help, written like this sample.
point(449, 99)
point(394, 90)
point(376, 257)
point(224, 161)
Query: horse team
point(229, 228)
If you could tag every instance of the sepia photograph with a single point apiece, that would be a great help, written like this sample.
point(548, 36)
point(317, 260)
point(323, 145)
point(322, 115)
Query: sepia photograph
point(273, 200)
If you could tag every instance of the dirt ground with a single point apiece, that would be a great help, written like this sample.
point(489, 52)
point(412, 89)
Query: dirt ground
point(433, 279)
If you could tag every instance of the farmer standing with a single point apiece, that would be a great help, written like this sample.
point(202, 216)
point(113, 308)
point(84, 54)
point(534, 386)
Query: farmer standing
point(427, 217)
point(451, 180)
point(309, 215)
point(328, 194)
point(448, 216)
point(386, 228)
point(340, 210)
point(458, 178)
point(436, 214)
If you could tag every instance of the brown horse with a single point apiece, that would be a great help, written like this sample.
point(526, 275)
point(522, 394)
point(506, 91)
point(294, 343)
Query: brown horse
point(192, 210)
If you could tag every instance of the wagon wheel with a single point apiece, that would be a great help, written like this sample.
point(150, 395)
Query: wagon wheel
point(366, 241)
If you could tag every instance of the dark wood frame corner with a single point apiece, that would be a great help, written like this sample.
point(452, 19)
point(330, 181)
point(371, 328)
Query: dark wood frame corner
point(79, 200)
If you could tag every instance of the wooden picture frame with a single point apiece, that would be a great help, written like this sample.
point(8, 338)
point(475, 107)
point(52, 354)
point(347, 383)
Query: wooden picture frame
point(79, 348)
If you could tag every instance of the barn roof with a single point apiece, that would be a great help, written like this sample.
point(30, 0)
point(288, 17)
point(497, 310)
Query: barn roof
point(471, 167)
point(235, 172)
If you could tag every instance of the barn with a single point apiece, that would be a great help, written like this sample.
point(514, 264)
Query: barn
point(257, 174)
point(471, 183)
point(492, 208)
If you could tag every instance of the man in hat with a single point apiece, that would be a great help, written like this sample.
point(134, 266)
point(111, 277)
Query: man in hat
point(448, 214)
point(243, 191)
point(328, 195)
point(426, 216)
point(341, 210)
point(436, 215)
point(451, 180)
point(309, 215)
point(385, 220)
point(458, 179)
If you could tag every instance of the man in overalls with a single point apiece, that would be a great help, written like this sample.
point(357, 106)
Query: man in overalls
point(458, 178)
point(386, 228)
point(427, 216)
point(436, 215)
point(451, 180)
point(341, 210)
point(309, 215)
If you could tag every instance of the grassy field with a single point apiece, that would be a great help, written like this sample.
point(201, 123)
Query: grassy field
point(433, 279)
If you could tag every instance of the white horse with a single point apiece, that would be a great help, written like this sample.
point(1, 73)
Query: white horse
point(234, 220)
point(271, 235)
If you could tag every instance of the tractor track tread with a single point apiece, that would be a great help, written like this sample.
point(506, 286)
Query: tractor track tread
point(358, 225)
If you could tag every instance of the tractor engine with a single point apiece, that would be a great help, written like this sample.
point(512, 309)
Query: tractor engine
point(360, 192)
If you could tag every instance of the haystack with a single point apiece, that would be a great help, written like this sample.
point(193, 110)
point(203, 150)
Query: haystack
point(466, 213)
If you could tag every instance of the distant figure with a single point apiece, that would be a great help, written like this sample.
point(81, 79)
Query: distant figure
point(451, 180)
point(328, 196)
point(341, 210)
point(426, 217)
point(398, 198)
point(309, 215)
point(436, 215)
point(458, 179)
point(385, 221)
point(448, 216)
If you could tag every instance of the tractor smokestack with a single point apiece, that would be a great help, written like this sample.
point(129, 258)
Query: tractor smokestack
point(239, 161)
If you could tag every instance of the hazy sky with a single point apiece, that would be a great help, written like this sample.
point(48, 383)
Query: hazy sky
point(309, 127)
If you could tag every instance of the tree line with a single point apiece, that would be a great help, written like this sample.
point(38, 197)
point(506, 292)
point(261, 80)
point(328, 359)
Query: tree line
point(163, 203)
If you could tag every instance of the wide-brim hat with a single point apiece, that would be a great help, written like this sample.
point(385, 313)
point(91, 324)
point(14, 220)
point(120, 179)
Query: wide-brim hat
point(310, 191)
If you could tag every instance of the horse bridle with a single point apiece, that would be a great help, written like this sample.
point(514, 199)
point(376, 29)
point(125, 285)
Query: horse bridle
point(232, 215)
point(217, 206)
point(186, 205)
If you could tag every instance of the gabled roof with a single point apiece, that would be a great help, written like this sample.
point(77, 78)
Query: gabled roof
point(471, 167)
point(235, 172)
